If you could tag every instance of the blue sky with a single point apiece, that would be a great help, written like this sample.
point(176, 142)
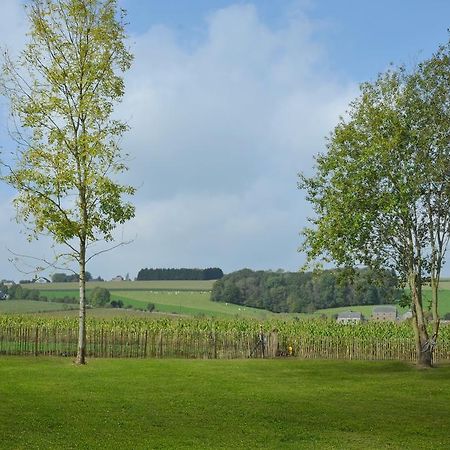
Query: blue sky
point(227, 102)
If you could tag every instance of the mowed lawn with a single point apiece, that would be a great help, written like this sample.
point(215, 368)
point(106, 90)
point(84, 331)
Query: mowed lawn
point(49, 403)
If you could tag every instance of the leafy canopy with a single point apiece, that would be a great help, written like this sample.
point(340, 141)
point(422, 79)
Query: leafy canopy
point(381, 191)
point(62, 91)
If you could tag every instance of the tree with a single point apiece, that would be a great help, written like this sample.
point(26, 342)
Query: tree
point(381, 193)
point(100, 297)
point(62, 91)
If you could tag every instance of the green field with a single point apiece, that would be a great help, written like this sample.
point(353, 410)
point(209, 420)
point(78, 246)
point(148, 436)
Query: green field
point(29, 306)
point(48, 403)
point(189, 298)
point(174, 300)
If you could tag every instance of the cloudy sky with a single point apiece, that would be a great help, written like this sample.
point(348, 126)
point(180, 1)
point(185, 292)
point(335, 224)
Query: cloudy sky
point(227, 101)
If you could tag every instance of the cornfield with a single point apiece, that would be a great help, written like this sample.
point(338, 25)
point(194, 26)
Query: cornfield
point(213, 338)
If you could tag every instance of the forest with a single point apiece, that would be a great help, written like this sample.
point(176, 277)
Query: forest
point(305, 292)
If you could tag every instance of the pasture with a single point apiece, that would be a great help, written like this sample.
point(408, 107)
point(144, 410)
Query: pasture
point(31, 306)
point(269, 404)
point(190, 298)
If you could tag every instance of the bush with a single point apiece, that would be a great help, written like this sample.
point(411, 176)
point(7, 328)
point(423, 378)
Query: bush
point(150, 307)
point(117, 304)
point(99, 297)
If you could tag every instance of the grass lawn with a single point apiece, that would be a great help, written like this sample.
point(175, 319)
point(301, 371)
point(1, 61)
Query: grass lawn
point(49, 403)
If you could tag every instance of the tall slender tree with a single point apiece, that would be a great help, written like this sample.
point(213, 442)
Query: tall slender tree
point(381, 193)
point(62, 90)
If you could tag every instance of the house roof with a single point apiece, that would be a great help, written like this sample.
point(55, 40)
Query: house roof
point(349, 315)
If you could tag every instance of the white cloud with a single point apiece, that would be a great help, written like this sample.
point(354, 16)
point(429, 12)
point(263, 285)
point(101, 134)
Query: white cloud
point(218, 134)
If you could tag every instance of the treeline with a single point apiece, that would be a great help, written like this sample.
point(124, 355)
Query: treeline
point(211, 273)
point(304, 292)
point(68, 278)
point(17, 292)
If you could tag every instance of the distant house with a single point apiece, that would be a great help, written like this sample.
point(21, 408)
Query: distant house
point(118, 278)
point(406, 315)
point(385, 312)
point(41, 280)
point(349, 317)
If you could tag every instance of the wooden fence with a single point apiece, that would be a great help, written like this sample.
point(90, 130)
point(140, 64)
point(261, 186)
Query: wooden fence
point(102, 342)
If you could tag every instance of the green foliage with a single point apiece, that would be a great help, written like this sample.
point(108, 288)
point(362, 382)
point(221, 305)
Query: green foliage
point(150, 307)
point(99, 297)
point(70, 140)
point(304, 292)
point(74, 277)
point(62, 92)
point(381, 192)
point(383, 181)
point(117, 304)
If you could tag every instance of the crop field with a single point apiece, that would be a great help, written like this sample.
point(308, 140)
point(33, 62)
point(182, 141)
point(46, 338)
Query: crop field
point(206, 338)
point(49, 403)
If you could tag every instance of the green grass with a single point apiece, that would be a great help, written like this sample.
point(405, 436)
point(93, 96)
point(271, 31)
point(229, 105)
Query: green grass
point(30, 306)
point(192, 298)
point(444, 297)
point(183, 302)
point(366, 310)
point(188, 303)
point(172, 404)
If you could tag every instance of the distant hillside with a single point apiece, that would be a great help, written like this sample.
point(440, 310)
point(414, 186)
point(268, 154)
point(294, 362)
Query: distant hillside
point(304, 292)
point(211, 273)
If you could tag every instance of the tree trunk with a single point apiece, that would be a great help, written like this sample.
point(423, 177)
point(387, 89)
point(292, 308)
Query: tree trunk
point(423, 348)
point(434, 304)
point(81, 352)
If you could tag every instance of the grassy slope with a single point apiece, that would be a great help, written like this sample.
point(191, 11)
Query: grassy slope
point(190, 303)
point(272, 404)
point(193, 298)
point(177, 300)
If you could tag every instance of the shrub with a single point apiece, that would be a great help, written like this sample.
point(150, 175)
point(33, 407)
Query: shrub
point(117, 304)
point(99, 297)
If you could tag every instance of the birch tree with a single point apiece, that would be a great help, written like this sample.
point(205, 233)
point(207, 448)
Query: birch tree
point(62, 90)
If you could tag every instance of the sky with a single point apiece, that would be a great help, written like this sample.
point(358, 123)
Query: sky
point(227, 101)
